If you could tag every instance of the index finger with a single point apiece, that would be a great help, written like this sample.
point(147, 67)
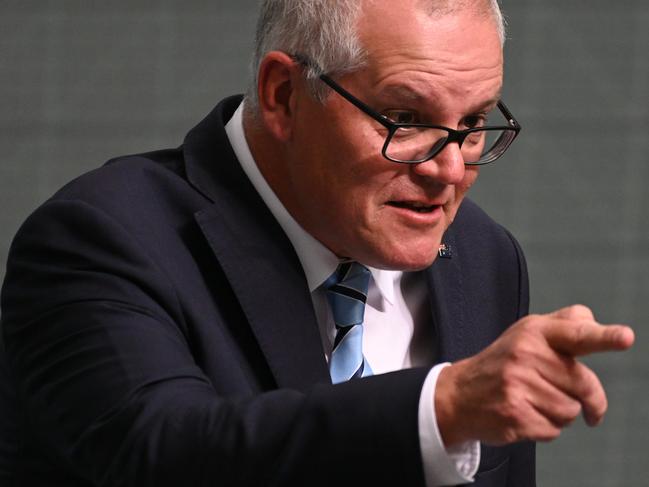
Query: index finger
point(584, 337)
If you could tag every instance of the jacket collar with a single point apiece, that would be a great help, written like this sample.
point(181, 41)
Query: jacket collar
point(255, 255)
point(453, 314)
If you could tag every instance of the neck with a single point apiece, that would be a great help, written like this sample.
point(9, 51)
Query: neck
point(270, 157)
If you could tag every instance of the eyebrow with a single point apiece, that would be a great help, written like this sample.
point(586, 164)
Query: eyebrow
point(411, 94)
point(492, 102)
point(402, 91)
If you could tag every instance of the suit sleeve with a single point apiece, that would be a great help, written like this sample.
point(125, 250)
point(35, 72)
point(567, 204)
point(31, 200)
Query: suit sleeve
point(109, 386)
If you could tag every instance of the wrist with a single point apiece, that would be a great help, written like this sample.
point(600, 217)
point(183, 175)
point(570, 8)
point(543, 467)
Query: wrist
point(446, 408)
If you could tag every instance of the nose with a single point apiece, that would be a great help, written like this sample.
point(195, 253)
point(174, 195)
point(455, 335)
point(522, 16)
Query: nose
point(447, 167)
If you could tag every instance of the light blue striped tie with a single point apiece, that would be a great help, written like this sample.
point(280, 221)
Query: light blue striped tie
point(347, 293)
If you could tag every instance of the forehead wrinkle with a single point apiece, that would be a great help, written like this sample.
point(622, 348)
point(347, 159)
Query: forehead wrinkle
point(452, 42)
point(453, 62)
point(433, 48)
point(411, 85)
point(396, 60)
point(402, 60)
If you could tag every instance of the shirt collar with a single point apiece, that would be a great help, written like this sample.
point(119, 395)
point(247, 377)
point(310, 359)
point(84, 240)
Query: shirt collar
point(317, 261)
point(386, 281)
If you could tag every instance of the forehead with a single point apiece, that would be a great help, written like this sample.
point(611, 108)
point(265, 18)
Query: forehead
point(453, 53)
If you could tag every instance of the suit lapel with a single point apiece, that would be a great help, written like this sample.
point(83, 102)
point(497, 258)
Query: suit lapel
point(256, 256)
point(455, 320)
point(449, 309)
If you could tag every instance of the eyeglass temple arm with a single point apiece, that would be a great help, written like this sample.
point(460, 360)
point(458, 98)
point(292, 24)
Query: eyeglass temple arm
point(382, 119)
point(508, 115)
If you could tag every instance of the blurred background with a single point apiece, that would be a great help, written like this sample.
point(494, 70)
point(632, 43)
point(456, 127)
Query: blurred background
point(83, 81)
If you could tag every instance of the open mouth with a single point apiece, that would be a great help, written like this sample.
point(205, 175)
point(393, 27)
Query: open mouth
point(414, 206)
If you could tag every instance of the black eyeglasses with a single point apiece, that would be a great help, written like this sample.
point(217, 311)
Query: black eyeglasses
point(413, 143)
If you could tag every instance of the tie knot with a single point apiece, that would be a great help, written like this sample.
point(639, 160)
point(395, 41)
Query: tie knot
point(347, 293)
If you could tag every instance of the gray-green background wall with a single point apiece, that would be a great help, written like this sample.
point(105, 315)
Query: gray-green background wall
point(82, 81)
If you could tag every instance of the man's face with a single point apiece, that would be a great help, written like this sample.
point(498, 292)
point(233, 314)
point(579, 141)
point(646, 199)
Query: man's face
point(437, 70)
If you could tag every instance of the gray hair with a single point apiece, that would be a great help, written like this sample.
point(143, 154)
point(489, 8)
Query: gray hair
point(325, 33)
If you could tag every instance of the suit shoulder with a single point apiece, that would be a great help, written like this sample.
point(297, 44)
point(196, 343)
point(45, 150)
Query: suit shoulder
point(483, 241)
point(124, 174)
point(147, 194)
point(473, 223)
point(470, 214)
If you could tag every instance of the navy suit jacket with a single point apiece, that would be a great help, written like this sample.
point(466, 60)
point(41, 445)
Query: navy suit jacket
point(158, 330)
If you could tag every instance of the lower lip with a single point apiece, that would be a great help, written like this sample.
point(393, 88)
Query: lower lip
point(419, 218)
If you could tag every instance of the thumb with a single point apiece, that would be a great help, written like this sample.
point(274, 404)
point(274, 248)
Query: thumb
point(574, 312)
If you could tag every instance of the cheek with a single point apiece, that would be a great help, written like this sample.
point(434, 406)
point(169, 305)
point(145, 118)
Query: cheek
point(339, 183)
point(470, 176)
point(339, 174)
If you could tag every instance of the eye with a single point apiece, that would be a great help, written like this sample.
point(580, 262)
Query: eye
point(402, 116)
point(474, 121)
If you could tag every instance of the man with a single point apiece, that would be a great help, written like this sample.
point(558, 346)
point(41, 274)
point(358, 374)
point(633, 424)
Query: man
point(178, 317)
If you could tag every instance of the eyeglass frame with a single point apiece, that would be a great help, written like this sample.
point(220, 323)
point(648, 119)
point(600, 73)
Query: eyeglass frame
point(454, 135)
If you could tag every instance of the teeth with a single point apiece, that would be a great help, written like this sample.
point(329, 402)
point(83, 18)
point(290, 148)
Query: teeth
point(418, 207)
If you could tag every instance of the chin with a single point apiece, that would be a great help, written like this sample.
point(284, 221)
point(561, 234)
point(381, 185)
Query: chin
point(405, 259)
point(416, 264)
point(411, 251)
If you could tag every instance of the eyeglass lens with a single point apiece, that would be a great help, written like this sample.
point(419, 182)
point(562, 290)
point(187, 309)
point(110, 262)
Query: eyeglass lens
point(417, 144)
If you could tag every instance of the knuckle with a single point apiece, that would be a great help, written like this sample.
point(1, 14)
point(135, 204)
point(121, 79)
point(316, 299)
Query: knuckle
point(588, 391)
point(569, 413)
point(510, 435)
point(523, 347)
point(531, 319)
point(531, 322)
point(578, 311)
point(510, 377)
point(580, 333)
point(589, 386)
point(512, 411)
point(548, 433)
point(528, 324)
point(573, 410)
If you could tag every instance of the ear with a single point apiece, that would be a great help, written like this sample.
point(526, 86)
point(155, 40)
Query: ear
point(277, 94)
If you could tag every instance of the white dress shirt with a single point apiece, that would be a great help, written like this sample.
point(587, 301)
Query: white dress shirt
point(394, 327)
